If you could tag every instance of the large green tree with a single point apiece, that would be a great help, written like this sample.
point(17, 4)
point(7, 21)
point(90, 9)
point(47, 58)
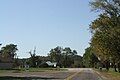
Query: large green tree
point(106, 30)
point(56, 55)
point(68, 56)
point(34, 60)
point(64, 57)
point(8, 52)
point(89, 58)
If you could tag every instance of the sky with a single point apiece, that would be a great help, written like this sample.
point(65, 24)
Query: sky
point(45, 24)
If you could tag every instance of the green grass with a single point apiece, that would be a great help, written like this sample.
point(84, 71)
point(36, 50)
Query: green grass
point(111, 74)
point(8, 71)
point(32, 70)
point(111, 71)
point(44, 69)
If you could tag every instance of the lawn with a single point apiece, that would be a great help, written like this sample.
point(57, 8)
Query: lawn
point(111, 74)
point(34, 73)
point(32, 70)
point(45, 69)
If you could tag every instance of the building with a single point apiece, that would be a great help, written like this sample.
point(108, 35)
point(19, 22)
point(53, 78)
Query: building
point(54, 64)
point(48, 64)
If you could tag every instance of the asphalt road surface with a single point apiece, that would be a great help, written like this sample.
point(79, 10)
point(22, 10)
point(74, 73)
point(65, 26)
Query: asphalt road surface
point(71, 74)
point(85, 74)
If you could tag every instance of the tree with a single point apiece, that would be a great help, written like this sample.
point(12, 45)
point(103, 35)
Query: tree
point(106, 31)
point(34, 60)
point(111, 7)
point(78, 62)
point(64, 57)
point(74, 52)
point(89, 58)
point(55, 55)
point(68, 57)
point(8, 52)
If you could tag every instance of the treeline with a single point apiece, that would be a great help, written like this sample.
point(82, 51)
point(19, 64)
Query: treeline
point(64, 57)
point(105, 42)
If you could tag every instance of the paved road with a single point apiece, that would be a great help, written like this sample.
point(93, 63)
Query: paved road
point(85, 74)
point(71, 74)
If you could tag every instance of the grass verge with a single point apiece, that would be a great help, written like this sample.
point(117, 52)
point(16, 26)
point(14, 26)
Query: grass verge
point(32, 70)
point(110, 75)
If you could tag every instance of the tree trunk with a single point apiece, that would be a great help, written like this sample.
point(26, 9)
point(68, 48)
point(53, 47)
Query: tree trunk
point(107, 65)
point(115, 67)
point(119, 66)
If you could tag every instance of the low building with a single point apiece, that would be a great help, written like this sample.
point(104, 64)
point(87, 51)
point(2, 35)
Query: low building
point(48, 64)
point(54, 64)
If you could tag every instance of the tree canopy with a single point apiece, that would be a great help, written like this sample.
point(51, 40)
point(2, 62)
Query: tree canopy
point(9, 51)
point(105, 41)
point(65, 57)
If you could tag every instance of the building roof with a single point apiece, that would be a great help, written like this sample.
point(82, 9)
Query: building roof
point(51, 63)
